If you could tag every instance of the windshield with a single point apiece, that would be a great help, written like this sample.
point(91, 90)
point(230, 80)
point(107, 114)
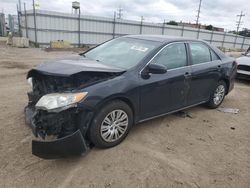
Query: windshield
point(122, 52)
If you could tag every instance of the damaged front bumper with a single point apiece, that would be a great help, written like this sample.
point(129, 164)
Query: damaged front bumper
point(70, 141)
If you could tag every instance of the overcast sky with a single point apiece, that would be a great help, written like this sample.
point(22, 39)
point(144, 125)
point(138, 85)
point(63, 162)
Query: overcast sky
point(221, 13)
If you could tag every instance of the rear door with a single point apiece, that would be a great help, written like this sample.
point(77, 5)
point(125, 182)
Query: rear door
point(206, 71)
point(162, 93)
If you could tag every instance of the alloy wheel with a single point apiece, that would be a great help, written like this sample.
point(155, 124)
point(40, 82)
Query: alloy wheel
point(219, 94)
point(114, 125)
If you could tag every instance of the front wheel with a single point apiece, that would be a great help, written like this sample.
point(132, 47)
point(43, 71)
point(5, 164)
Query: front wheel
point(111, 125)
point(218, 95)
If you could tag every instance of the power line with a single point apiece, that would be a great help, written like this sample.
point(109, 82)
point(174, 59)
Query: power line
point(238, 23)
point(198, 14)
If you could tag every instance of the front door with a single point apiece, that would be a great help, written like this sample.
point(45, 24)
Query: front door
point(163, 93)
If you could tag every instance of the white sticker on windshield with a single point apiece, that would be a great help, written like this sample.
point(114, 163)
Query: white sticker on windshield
point(139, 48)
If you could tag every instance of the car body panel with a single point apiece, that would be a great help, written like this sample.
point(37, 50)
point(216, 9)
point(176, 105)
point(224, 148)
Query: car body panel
point(70, 66)
point(163, 93)
point(208, 73)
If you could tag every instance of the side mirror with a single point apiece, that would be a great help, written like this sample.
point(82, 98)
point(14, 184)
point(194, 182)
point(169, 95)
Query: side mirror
point(244, 54)
point(156, 69)
point(153, 69)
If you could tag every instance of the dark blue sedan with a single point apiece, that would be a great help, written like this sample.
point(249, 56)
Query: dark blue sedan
point(94, 99)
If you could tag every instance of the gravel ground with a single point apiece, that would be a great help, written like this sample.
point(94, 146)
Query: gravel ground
point(206, 149)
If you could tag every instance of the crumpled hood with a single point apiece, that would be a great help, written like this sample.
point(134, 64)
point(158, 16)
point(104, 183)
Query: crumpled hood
point(243, 60)
point(73, 65)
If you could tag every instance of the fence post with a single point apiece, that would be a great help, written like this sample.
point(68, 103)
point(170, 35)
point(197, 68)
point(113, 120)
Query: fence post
point(223, 40)
point(163, 27)
point(34, 15)
point(79, 28)
point(198, 31)
point(236, 37)
point(211, 38)
point(141, 24)
point(242, 45)
point(26, 23)
point(114, 22)
point(182, 30)
point(19, 21)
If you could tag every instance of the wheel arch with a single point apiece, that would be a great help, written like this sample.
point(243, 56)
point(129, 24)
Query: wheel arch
point(122, 98)
point(226, 80)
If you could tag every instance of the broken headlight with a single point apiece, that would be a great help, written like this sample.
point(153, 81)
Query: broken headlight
point(60, 101)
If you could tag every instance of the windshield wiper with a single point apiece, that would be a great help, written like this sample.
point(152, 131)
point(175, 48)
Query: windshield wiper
point(82, 54)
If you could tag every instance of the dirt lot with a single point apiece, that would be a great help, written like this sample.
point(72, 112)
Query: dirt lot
point(208, 149)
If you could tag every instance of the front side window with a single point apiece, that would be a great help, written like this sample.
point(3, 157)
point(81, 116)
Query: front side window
point(172, 56)
point(200, 53)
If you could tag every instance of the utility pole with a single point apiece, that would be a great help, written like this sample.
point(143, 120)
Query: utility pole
point(238, 23)
point(198, 14)
point(19, 6)
point(120, 13)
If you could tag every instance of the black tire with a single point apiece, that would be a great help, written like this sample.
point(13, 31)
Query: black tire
point(95, 128)
point(211, 103)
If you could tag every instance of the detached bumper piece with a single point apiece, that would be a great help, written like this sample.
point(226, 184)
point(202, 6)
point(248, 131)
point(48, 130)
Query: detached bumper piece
point(71, 145)
point(64, 125)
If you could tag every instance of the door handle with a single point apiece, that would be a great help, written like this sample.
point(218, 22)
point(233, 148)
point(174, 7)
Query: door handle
point(219, 67)
point(187, 74)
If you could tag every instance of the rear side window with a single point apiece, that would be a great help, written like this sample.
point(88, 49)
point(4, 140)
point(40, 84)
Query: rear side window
point(200, 53)
point(172, 56)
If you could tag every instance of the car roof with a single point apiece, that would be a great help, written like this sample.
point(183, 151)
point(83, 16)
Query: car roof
point(160, 38)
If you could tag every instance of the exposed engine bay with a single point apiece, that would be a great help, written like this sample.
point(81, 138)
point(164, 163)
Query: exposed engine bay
point(45, 84)
point(62, 123)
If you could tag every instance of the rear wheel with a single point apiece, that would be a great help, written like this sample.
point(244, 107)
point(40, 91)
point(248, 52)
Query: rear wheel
point(218, 95)
point(111, 125)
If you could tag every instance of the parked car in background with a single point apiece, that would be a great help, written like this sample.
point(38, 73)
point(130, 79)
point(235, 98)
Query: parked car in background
point(94, 99)
point(243, 70)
